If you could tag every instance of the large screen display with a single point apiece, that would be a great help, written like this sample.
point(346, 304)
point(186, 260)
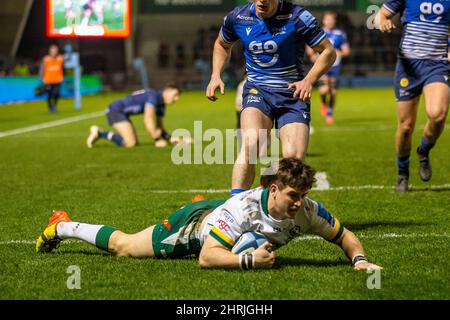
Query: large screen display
point(89, 18)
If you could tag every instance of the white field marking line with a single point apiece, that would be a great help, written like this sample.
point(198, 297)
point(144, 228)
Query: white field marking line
point(29, 242)
point(382, 236)
point(341, 188)
point(302, 238)
point(51, 124)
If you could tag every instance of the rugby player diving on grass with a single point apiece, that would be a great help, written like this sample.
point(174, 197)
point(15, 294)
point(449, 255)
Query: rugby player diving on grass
point(150, 103)
point(279, 210)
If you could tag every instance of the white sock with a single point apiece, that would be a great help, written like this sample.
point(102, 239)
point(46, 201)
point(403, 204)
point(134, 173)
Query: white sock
point(82, 231)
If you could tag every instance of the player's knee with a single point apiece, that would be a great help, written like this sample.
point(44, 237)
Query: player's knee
point(250, 144)
point(438, 116)
point(323, 90)
point(406, 127)
point(130, 143)
point(122, 246)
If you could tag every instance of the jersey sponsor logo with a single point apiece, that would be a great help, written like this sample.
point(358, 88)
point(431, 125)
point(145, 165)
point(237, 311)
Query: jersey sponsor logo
point(253, 98)
point(254, 91)
point(428, 8)
point(279, 31)
point(245, 18)
point(404, 82)
point(135, 93)
point(404, 93)
point(166, 224)
point(228, 218)
point(248, 30)
point(223, 225)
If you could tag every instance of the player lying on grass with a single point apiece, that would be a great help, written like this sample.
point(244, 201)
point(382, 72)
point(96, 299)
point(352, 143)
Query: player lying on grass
point(210, 228)
point(152, 104)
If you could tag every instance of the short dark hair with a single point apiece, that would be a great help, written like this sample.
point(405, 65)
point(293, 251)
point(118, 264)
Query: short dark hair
point(291, 172)
point(173, 85)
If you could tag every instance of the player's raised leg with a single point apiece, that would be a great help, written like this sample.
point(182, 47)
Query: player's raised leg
point(95, 133)
point(407, 115)
point(294, 139)
point(436, 104)
point(332, 102)
point(252, 121)
point(324, 90)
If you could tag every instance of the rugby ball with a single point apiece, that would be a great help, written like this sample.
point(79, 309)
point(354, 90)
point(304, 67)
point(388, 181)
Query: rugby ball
point(248, 242)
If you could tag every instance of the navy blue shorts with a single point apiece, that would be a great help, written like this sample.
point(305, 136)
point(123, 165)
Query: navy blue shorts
point(115, 114)
point(278, 104)
point(411, 75)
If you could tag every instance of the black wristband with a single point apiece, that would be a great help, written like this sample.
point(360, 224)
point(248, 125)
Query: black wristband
point(165, 135)
point(246, 261)
point(358, 258)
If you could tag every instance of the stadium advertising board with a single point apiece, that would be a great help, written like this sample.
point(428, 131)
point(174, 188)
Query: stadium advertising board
point(89, 18)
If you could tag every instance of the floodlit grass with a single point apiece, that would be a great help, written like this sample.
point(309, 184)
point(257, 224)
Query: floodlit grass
point(408, 234)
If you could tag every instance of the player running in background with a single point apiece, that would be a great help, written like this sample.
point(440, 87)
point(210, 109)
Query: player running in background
point(274, 34)
point(152, 104)
point(422, 67)
point(330, 81)
point(209, 229)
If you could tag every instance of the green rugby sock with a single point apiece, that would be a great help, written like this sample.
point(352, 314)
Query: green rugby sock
point(102, 237)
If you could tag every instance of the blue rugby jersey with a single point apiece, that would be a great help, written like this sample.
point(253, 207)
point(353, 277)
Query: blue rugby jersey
point(275, 47)
point(339, 39)
point(136, 102)
point(425, 27)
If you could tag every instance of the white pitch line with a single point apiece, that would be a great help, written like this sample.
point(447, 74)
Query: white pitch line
point(302, 238)
point(382, 236)
point(339, 188)
point(51, 124)
point(30, 242)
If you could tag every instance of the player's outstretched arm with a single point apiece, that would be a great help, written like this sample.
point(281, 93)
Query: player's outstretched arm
point(215, 255)
point(355, 251)
point(221, 54)
point(150, 122)
point(384, 21)
point(327, 56)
